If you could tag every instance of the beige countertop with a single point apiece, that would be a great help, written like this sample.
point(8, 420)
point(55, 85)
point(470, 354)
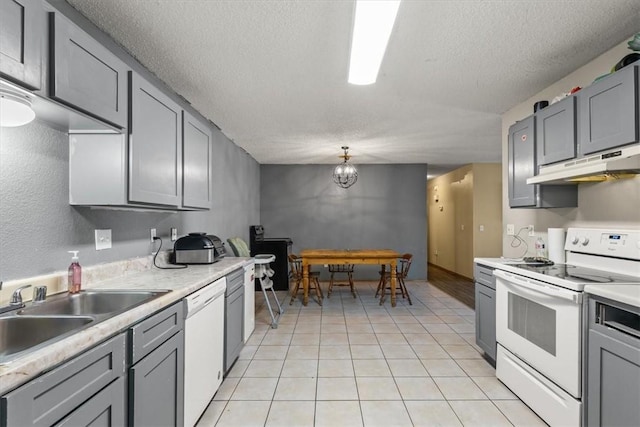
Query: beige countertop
point(181, 282)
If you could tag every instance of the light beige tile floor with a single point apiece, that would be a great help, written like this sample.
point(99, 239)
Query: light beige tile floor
point(353, 362)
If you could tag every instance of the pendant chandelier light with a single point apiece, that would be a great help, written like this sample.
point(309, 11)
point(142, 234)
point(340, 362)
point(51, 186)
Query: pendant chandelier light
point(345, 174)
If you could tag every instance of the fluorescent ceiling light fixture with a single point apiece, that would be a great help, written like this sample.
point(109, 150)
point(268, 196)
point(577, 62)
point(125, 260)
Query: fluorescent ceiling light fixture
point(15, 109)
point(371, 31)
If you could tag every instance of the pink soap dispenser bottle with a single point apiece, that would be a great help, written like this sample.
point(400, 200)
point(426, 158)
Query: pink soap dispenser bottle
point(75, 274)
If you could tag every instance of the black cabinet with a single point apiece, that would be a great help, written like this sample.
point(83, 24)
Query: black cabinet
point(485, 293)
point(613, 364)
point(608, 112)
point(281, 248)
point(523, 165)
point(22, 32)
point(556, 132)
point(85, 74)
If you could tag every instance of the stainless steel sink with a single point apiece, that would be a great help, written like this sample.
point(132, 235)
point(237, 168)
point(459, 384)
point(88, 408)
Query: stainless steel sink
point(91, 303)
point(20, 333)
point(43, 323)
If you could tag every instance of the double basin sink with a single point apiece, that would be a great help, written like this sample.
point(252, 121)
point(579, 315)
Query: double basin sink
point(38, 324)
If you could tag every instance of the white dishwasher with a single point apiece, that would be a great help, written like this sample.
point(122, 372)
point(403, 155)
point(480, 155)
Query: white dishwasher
point(203, 348)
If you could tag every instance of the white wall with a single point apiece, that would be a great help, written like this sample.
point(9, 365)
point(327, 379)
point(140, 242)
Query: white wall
point(599, 204)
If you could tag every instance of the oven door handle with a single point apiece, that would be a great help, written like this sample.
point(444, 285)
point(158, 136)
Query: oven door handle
point(540, 287)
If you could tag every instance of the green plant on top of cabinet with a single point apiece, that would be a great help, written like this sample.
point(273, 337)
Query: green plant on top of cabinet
point(155, 146)
point(196, 163)
point(556, 132)
point(523, 164)
point(85, 74)
point(22, 24)
point(608, 112)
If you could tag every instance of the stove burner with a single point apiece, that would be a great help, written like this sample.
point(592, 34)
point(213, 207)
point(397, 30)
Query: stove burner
point(578, 274)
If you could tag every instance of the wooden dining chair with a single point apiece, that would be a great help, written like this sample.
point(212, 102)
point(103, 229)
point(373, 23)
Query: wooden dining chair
point(295, 271)
point(402, 271)
point(341, 269)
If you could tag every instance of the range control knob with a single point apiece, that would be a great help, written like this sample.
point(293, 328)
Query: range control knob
point(574, 241)
point(584, 241)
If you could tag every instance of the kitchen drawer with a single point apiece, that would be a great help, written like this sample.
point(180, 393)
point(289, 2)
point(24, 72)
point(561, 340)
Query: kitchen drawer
point(155, 330)
point(483, 274)
point(235, 277)
point(50, 397)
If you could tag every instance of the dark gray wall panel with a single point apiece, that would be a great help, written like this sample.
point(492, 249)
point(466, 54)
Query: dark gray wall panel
point(386, 208)
point(38, 227)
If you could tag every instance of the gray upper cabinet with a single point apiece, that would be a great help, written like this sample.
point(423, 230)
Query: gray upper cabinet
point(196, 163)
point(556, 132)
point(522, 158)
point(608, 112)
point(155, 146)
point(523, 165)
point(22, 24)
point(85, 74)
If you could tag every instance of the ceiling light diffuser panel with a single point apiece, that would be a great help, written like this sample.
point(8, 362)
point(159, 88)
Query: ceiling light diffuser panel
point(371, 31)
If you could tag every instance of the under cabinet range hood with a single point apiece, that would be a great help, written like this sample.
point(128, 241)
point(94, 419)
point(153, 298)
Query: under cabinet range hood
point(622, 162)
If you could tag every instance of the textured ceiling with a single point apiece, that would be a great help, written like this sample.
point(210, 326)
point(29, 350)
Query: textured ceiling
point(272, 74)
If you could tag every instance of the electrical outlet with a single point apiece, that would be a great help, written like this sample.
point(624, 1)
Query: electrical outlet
point(103, 239)
point(511, 230)
point(174, 234)
point(153, 234)
point(532, 231)
point(481, 227)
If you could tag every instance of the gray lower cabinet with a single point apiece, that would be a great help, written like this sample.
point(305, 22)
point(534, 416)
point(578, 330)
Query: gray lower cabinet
point(155, 146)
point(485, 296)
point(556, 132)
point(104, 409)
point(234, 318)
point(85, 74)
point(22, 30)
point(75, 393)
point(613, 364)
point(196, 163)
point(156, 375)
point(608, 112)
point(523, 165)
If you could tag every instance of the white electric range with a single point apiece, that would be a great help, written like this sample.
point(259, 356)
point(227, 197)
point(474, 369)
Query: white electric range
point(539, 317)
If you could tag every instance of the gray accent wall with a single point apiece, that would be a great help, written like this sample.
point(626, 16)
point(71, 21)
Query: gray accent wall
point(385, 209)
point(38, 226)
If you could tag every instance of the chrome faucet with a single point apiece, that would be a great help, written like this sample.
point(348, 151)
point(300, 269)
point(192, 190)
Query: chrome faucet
point(16, 300)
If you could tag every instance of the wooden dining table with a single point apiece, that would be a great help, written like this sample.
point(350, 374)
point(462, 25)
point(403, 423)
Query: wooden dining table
point(381, 257)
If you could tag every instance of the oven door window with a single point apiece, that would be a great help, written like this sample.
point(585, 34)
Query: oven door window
point(532, 321)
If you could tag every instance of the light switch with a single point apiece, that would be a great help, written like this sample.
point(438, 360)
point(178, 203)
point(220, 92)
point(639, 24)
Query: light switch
point(103, 239)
